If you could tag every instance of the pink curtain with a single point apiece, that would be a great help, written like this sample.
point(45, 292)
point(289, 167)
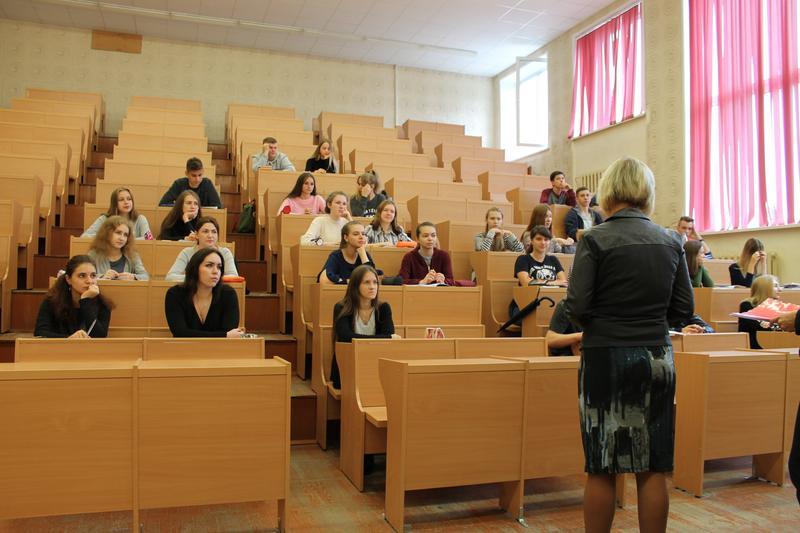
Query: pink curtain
point(607, 81)
point(744, 113)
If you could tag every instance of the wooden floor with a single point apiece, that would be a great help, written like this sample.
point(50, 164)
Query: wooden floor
point(323, 500)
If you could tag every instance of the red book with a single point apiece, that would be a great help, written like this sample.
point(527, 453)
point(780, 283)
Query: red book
point(768, 310)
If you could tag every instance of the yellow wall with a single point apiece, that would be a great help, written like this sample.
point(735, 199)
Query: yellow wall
point(783, 242)
point(33, 55)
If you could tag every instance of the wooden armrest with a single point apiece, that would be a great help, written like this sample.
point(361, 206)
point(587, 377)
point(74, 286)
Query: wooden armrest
point(336, 393)
point(376, 416)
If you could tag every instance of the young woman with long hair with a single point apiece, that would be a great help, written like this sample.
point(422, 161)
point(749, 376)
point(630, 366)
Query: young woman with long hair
point(324, 159)
point(494, 238)
point(303, 198)
point(698, 274)
point(203, 306)
point(122, 204)
point(181, 221)
point(762, 288)
point(426, 264)
point(114, 253)
point(384, 229)
point(74, 307)
point(751, 264)
point(207, 237)
point(542, 215)
point(365, 202)
point(327, 229)
point(352, 253)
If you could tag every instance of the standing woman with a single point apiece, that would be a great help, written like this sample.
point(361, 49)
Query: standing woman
point(113, 252)
point(181, 221)
point(542, 215)
point(698, 274)
point(324, 160)
point(203, 306)
point(384, 229)
point(327, 229)
point(752, 263)
point(494, 238)
point(73, 307)
point(360, 314)
point(628, 280)
point(303, 199)
point(122, 205)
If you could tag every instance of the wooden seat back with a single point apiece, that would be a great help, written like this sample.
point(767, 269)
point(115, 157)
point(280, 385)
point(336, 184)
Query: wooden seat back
point(83, 109)
point(41, 350)
point(60, 150)
point(52, 118)
point(148, 173)
point(446, 153)
point(73, 137)
point(359, 160)
point(426, 141)
point(165, 129)
point(458, 235)
point(45, 168)
point(386, 171)
point(179, 143)
point(411, 128)
point(159, 157)
point(710, 342)
point(501, 347)
point(176, 104)
point(96, 99)
point(337, 128)
point(495, 185)
point(326, 118)
point(715, 305)
point(776, 339)
point(402, 190)
point(468, 169)
point(167, 116)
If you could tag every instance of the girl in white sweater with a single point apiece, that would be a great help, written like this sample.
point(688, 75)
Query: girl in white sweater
point(327, 229)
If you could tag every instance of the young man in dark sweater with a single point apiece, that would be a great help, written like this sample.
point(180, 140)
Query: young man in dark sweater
point(194, 180)
point(426, 264)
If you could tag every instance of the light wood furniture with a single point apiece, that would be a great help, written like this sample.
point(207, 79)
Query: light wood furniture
point(537, 322)
point(402, 190)
point(167, 116)
point(176, 104)
point(95, 99)
point(436, 210)
point(10, 221)
point(729, 403)
point(444, 414)
point(715, 305)
point(124, 173)
point(718, 270)
point(495, 185)
point(347, 143)
point(446, 153)
point(468, 169)
point(59, 111)
point(27, 191)
point(426, 141)
point(60, 150)
point(73, 137)
point(777, 339)
point(159, 157)
point(387, 171)
point(166, 129)
point(709, 342)
point(524, 201)
point(178, 143)
point(155, 215)
point(359, 160)
point(458, 235)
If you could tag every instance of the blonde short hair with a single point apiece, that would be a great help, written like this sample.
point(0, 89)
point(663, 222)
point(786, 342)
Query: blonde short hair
point(627, 181)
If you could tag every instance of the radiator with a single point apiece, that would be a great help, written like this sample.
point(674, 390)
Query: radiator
point(590, 180)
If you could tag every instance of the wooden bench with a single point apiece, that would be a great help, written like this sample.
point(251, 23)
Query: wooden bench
point(444, 415)
point(157, 256)
point(777, 339)
point(495, 186)
point(347, 143)
point(360, 159)
point(446, 153)
point(402, 190)
point(40, 350)
point(52, 197)
point(729, 403)
point(165, 129)
point(95, 99)
point(159, 157)
point(155, 217)
point(53, 118)
point(337, 128)
point(524, 201)
point(253, 110)
point(59, 150)
point(125, 173)
point(323, 122)
point(27, 191)
point(468, 169)
point(411, 128)
point(82, 109)
point(709, 342)
point(715, 305)
point(162, 143)
point(718, 270)
point(176, 104)
point(144, 193)
point(73, 137)
point(411, 173)
point(10, 221)
point(167, 116)
point(434, 209)
point(143, 435)
point(426, 141)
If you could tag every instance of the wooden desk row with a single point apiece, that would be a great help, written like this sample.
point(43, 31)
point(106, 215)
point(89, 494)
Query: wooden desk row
point(144, 193)
point(126, 154)
point(26, 192)
point(10, 221)
point(134, 173)
point(155, 215)
point(113, 436)
point(157, 256)
point(164, 116)
point(96, 99)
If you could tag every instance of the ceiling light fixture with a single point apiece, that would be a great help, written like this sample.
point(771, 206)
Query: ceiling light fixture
point(232, 23)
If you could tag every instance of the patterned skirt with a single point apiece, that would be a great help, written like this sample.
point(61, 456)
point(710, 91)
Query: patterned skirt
point(626, 398)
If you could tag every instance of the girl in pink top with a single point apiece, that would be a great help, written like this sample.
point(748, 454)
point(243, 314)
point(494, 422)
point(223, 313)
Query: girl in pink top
point(303, 200)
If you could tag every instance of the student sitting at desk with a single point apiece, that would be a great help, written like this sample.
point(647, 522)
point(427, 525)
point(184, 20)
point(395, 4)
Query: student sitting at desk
point(563, 337)
point(360, 314)
point(542, 215)
point(763, 288)
point(323, 161)
point(752, 263)
point(537, 265)
point(303, 198)
point(195, 182)
point(73, 307)
point(367, 198)
point(384, 229)
point(559, 191)
point(581, 217)
point(122, 205)
point(203, 306)
point(426, 264)
point(698, 274)
point(207, 237)
point(352, 253)
point(494, 238)
point(270, 157)
point(113, 253)
point(181, 221)
point(327, 229)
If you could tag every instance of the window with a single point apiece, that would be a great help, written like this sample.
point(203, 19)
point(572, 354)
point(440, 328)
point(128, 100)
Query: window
point(607, 81)
point(744, 79)
point(523, 108)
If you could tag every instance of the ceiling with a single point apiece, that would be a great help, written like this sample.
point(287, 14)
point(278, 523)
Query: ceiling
point(478, 37)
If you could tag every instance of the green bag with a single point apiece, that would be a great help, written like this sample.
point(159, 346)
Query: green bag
point(247, 218)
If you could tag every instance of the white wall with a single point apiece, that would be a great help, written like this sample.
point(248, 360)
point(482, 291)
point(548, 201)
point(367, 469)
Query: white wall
point(33, 55)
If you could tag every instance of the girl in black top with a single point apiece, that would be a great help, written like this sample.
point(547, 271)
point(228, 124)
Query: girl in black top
point(74, 307)
point(203, 306)
point(352, 253)
point(537, 266)
point(180, 222)
point(323, 161)
point(367, 198)
point(360, 314)
point(763, 288)
point(752, 263)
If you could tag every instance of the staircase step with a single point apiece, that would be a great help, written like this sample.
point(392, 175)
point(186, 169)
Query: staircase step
point(106, 144)
point(73, 216)
point(86, 194)
point(25, 304)
point(92, 175)
point(261, 312)
point(228, 183)
point(45, 266)
point(231, 200)
point(245, 244)
point(303, 410)
point(218, 150)
point(255, 272)
point(60, 236)
point(98, 159)
point(224, 166)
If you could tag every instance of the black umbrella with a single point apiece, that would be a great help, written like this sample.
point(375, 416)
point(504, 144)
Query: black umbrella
point(528, 309)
